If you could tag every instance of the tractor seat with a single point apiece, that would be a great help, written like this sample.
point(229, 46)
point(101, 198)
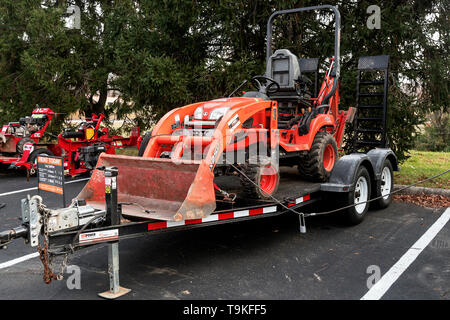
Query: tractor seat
point(284, 68)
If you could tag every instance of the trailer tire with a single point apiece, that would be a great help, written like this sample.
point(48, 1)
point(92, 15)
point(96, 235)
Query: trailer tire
point(386, 186)
point(318, 163)
point(21, 144)
point(144, 143)
point(262, 185)
point(361, 193)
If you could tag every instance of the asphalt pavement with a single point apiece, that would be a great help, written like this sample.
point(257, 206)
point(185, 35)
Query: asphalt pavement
point(260, 259)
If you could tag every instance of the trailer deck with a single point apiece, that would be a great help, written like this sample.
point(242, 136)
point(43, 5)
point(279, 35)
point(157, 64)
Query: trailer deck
point(291, 186)
point(293, 193)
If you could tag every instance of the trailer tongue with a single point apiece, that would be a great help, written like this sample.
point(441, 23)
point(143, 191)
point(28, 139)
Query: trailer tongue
point(153, 188)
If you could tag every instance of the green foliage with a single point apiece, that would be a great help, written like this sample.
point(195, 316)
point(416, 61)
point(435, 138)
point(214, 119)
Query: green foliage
point(162, 54)
point(436, 133)
point(422, 165)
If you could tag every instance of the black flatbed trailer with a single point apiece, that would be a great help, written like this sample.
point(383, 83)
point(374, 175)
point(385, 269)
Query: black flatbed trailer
point(81, 226)
point(293, 193)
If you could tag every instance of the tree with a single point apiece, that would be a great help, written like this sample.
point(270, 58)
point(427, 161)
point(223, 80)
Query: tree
point(161, 54)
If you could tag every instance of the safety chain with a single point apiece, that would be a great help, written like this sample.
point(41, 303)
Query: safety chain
point(228, 197)
point(44, 254)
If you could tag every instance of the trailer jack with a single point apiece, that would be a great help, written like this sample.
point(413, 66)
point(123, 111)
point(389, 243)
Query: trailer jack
point(115, 290)
point(113, 218)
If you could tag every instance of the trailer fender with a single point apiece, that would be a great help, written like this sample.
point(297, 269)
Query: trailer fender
point(377, 157)
point(342, 177)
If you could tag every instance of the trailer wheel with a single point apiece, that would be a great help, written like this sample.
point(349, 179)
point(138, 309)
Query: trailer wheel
point(144, 143)
point(386, 186)
point(318, 163)
point(33, 157)
point(358, 196)
point(264, 176)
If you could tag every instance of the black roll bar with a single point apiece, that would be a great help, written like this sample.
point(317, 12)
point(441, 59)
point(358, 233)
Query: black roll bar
point(337, 38)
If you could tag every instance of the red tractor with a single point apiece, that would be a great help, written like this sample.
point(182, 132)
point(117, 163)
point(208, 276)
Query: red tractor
point(82, 147)
point(19, 140)
point(20, 143)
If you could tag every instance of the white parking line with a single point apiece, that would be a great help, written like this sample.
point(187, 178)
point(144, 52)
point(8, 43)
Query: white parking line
point(18, 260)
point(35, 188)
point(377, 291)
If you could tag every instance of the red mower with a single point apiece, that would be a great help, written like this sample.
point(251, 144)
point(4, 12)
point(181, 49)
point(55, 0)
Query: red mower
point(81, 148)
point(20, 146)
point(19, 140)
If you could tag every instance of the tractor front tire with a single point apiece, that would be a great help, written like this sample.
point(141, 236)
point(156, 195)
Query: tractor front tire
point(318, 163)
point(261, 179)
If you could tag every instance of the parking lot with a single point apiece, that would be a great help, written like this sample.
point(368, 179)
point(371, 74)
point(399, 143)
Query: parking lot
point(261, 259)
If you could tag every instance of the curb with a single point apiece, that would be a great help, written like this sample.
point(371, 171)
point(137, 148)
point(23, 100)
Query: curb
point(420, 190)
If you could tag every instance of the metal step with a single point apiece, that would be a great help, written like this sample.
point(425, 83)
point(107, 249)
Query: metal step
point(372, 94)
point(372, 82)
point(371, 106)
point(368, 142)
point(370, 130)
point(369, 119)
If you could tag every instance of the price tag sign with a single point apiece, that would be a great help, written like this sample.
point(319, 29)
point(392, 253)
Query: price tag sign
point(50, 172)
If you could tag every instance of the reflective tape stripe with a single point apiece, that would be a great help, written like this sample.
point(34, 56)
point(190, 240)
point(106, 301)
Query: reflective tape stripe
point(299, 200)
point(214, 217)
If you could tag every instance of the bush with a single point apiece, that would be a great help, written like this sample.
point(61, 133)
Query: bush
point(436, 134)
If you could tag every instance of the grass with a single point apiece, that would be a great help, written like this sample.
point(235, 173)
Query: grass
point(419, 166)
point(424, 164)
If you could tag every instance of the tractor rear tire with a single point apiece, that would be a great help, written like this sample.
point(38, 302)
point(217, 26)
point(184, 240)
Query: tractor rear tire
point(318, 163)
point(21, 144)
point(261, 179)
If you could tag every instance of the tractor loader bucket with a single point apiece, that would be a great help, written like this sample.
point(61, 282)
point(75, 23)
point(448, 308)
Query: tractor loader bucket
point(155, 188)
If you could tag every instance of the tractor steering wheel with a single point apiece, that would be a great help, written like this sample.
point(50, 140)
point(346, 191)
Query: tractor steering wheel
point(265, 89)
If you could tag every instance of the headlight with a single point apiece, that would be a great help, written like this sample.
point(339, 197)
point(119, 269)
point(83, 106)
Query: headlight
point(217, 113)
point(198, 114)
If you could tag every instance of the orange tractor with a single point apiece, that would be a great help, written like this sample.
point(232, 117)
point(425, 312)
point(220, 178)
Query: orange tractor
point(277, 124)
